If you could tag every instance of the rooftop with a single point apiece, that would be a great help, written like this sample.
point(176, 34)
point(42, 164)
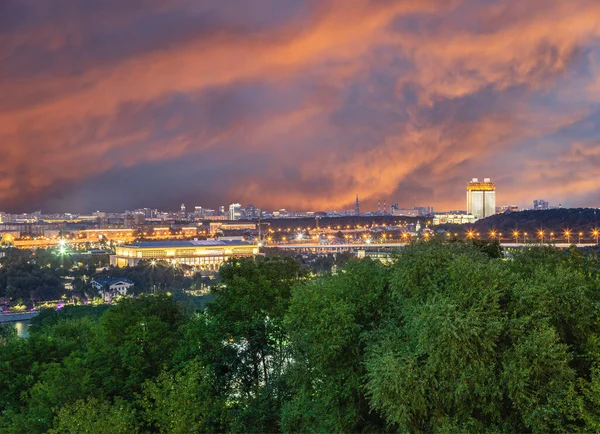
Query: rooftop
point(187, 243)
point(112, 280)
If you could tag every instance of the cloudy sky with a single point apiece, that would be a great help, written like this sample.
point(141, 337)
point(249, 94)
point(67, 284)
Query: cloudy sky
point(112, 104)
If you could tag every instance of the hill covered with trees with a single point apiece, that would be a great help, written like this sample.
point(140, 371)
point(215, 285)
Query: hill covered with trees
point(576, 220)
point(446, 339)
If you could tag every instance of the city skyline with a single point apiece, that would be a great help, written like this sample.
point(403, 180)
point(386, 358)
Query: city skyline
point(297, 104)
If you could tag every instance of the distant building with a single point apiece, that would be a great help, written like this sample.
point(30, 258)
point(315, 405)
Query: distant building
point(356, 207)
point(403, 212)
point(425, 210)
point(456, 219)
point(509, 208)
point(215, 227)
point(481, 198)
point(235, 211)
point(108, 288)
point(540, 204)
point(250, 211)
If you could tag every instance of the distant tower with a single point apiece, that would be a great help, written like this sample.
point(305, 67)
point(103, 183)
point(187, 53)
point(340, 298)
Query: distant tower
point(418, 226)
point(356, 207)
point(182, 210)
point(378, 208)
point(384, 207)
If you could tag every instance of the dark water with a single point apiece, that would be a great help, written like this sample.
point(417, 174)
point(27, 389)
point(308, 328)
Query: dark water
point(22, 328)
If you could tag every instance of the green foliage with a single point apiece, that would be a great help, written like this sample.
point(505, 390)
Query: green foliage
point(51, 317)
point(7, 333)
point(184, 401)
point(482, 345)
point(449, 338)
point(95, 416)
point(242, 338)
point(328, 321)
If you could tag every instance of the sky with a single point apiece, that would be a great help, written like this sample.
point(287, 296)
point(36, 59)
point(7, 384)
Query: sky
point(297, 104)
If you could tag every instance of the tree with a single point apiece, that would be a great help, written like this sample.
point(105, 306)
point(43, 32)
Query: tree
point(242, 339)
point(94, 416)
point(328, 321)
point(7, 333)
point(476, 344)
point(184, 401)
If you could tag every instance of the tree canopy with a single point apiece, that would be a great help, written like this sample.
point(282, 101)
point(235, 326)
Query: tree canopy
point(447, 338)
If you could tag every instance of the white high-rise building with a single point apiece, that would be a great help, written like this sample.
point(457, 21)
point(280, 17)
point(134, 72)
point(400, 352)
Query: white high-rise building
point(235, 211)
point(481, 198)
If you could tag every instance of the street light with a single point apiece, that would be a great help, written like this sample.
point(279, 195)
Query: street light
point(470, 234)
point(568, 236)
point(580, 234)
point(524, 236)
point(541, 235)
point(492, 234)
point(516, 236)
point(595, 233)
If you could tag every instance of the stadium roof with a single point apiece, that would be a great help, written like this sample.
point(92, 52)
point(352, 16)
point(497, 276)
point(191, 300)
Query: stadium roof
point(188, 243)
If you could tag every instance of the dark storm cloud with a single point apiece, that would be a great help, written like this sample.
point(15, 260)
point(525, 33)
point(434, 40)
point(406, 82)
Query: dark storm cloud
point(112, 104)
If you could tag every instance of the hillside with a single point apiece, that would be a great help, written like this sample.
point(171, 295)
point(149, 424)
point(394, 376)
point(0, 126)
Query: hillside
point(554, 220)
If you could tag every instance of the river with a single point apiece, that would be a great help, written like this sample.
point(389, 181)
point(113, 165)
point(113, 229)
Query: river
point(22, 328)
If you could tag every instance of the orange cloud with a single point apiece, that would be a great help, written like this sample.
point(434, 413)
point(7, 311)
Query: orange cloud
point(383, 99)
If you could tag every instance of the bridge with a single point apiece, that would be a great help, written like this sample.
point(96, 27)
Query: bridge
point(344, 247)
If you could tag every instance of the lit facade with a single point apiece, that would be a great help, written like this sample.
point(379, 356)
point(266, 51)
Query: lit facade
point(481, 198)
point(205, 254)
point(235, 211)
point(453, 219)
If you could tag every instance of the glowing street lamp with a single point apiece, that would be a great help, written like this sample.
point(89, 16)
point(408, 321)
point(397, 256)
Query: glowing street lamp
point(492, 234)
point(567, 234)
point(470, 235)
point(524, 236)
point(595, 233)
point(515, 235)
point(580, 234)
point(541, 235)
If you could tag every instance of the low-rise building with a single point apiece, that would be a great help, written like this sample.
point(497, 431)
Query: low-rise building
point(204, 254)
point(459, 219)
point(111, 287)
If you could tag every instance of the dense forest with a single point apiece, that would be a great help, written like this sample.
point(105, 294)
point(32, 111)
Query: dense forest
point(449, 338)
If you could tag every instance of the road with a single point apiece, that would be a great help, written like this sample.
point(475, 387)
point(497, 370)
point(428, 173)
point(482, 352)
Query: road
point(342, 247)
point(14, 317)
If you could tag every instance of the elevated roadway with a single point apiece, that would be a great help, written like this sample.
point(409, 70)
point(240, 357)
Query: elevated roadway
point(352, 246)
